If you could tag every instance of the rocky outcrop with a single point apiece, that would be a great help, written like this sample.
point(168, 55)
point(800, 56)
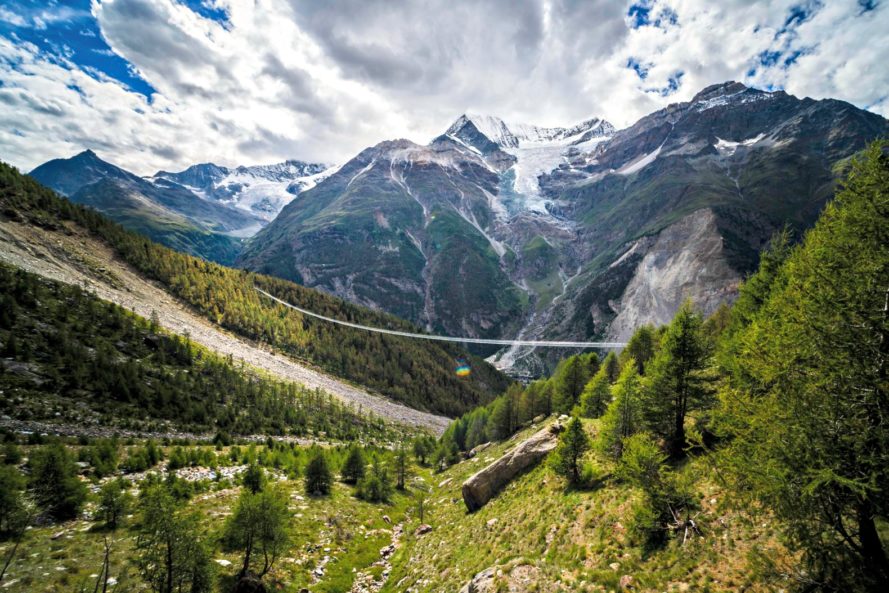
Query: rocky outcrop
point(483, 485)
point(687, 261)
point(517, 579)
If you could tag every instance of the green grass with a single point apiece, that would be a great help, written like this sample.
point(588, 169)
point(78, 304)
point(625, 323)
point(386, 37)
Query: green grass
point(350, 531)
point(571, 538)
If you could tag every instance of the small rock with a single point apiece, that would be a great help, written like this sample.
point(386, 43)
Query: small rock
point(57, 535)
point(222, 562)
point(423, 529)
point(626, 582)
point(387, 519)
point(614, 565)
point(491, 522)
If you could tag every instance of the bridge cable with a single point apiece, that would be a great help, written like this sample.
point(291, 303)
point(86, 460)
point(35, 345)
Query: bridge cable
point(403, 334)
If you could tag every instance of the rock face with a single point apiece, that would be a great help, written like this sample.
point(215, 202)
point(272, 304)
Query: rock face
point(483, 485)
point(687, 261)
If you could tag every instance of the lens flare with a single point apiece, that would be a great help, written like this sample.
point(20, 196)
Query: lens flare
point(463, 369)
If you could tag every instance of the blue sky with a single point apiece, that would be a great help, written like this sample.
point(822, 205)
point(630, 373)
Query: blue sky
point(155, 84)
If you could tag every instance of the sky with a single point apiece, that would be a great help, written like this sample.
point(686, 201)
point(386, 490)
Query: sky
point(163, 84)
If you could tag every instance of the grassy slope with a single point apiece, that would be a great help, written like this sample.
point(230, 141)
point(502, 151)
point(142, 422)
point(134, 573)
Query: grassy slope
point(575, 540)
point(347, 530)
point(558, 539)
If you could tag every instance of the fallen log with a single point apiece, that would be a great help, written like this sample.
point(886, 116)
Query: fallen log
point(484, 484)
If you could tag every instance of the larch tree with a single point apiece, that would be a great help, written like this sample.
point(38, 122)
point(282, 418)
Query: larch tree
point(806, 415)
point(675, 380)
point(623, 418)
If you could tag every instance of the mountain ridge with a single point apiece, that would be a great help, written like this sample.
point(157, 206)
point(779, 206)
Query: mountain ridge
point(551, 217)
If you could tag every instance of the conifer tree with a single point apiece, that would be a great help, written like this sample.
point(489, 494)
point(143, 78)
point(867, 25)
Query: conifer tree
point(318, 478)
point(612, 366)
point(806, 408)
point(623, 418)
point(675, 381)
point(57, 489)
point(353, 468)
point(568, 456)
point(259, 526)
point(570, 378)
point(640, 347)
point(596, 395)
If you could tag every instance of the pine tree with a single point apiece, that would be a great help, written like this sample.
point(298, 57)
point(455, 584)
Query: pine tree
point(318, 478)
point(254, 478)
point(57, 489)
point(353, 468)
point(596, 395)
point(641, 347)
point(500, 423)
point(612, 366)
point(114, 502)
point(402, 467)
point(623, 418)
point(806, 409)
point(570, 378)
point(259, 526)
point(568, 456)
point(675, 380)
point(171, 555)
point(376, 486)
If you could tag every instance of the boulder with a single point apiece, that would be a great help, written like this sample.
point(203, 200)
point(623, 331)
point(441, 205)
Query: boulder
point(483, 485)
point(483, 582)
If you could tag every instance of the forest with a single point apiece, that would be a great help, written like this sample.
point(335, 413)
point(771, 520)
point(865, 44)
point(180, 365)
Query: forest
point(70, 357)
point(417, 373)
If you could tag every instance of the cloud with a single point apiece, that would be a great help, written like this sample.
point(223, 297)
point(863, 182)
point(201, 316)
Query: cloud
point(253, 81)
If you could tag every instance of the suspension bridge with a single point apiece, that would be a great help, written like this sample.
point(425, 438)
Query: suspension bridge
point(459, 340)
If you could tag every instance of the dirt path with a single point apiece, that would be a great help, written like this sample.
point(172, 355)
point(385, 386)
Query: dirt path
point(78, 259)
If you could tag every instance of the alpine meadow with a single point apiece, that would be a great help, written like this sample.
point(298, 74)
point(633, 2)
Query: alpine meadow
point(435, 297)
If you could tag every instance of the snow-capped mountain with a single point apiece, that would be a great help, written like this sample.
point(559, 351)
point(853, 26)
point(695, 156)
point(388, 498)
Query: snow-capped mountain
point(501, 229)
point(536, 150)
point(512, 135)
point(262, 190)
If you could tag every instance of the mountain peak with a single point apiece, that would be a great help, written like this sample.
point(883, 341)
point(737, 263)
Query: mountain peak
point(512, 135)
point(722, 89)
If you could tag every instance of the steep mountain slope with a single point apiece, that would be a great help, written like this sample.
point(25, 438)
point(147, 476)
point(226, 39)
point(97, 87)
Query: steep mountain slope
point(753, 161)
point(165, 212)
point(419, 374)
point(76, 362)
point(261, 190)
point(436, 234)
point(497, 229)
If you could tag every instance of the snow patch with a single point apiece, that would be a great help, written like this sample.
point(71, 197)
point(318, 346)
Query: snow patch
point(728, 148)
point(640, 163)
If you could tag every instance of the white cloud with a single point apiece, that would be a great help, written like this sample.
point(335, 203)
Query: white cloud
point(322, 80)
